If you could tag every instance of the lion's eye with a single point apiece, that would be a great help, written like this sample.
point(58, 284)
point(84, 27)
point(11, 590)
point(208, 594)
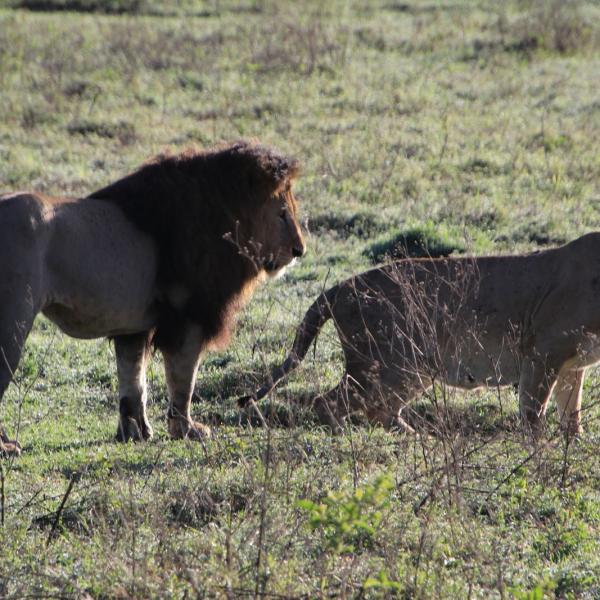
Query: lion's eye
point(282, 214)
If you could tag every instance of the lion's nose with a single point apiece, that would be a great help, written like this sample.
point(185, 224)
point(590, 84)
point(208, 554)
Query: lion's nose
point(297, 252)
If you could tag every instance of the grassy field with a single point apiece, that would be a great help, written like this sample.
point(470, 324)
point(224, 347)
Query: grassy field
point(472, 125)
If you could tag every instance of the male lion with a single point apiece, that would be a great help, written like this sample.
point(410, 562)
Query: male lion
point(166, 255)
point(467, 322)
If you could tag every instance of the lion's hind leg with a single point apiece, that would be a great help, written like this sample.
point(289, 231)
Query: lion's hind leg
point(568, 399)
point(385, 400)
point(132, 354)
point(385, 409)
point(350, 396)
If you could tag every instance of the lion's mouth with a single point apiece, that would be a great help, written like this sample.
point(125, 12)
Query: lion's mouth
point(274, 268)
point(270, 265)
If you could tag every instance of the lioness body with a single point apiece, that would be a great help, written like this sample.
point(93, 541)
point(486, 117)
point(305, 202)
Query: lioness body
point(531, 320)
point(168, 254)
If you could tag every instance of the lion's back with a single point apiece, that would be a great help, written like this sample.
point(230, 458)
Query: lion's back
point(22, 214)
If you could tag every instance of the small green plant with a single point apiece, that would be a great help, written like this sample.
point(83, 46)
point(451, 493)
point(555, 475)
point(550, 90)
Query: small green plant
point(382, 583)
point(542, 590)
point(427, 240)
point(349, 521)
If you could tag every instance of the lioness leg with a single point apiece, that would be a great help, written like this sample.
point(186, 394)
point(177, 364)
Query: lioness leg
point(568, 398)
point(384, 407)
point(181, 367)
point(338, 404)
point(351, 396)
point(334, 407)
point(388, 394)
point(132, 354)
point(535, 387)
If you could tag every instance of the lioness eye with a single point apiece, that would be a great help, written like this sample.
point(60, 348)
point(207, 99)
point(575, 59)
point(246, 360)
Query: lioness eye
point(282, 214)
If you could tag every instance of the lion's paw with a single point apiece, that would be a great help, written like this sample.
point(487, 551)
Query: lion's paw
point(573, 431)
point(8, 447)
point(399, 425)
point(182, 429)
point(129, 429)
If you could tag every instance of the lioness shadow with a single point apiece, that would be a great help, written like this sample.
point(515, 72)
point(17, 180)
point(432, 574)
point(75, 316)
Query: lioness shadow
point(470, 419)
point(288, 411)
point(424, 416)
point(276, 414)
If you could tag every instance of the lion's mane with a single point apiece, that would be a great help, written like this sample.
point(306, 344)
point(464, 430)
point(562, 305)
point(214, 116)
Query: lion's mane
point(187, 203)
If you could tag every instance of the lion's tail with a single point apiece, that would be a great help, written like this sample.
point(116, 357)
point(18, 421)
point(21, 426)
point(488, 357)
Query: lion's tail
point(316, 316)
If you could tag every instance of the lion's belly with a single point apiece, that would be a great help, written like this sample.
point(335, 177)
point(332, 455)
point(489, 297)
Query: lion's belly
point(587, 352)
point(88, 324)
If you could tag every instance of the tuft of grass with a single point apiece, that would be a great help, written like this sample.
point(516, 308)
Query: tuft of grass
point(362, 225)
point(426, 241)
point(118, 7)
point(541, 234)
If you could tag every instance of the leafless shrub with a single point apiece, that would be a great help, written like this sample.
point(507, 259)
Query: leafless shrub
point(120, 130)
point(139, 45)
point(428, 341)
point(555, 26)
point(286, 44)
point(433, 334)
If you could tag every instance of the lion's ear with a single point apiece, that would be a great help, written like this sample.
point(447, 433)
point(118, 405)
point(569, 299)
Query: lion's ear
point(267, 170)
point(277, 170)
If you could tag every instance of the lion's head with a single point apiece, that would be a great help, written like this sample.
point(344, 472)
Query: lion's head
point(270, 236)
point(221, 219)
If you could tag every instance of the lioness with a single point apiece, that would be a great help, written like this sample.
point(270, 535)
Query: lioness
point(166, 255)
point(469, 322)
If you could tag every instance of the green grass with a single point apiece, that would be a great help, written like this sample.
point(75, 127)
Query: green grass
point(461, 126)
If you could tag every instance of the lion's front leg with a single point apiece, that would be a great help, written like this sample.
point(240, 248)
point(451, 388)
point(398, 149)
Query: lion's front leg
point(568, 398)
point(132, 355)
point(536, 383)
point(18, 308)
point(181, 367)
